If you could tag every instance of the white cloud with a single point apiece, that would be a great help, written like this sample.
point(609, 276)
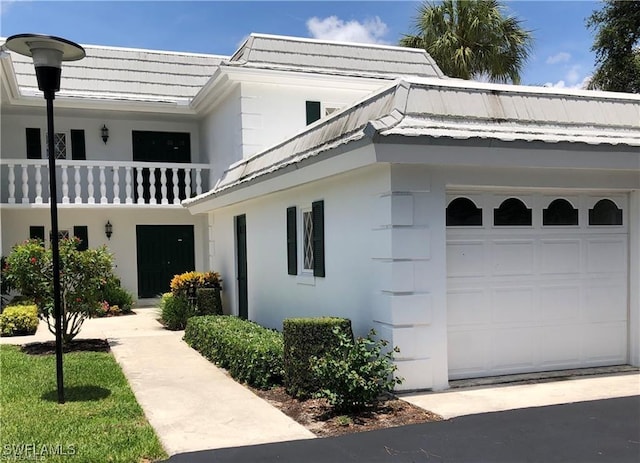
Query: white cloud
point(581, 85)
point(561, 57)
point(333, 28)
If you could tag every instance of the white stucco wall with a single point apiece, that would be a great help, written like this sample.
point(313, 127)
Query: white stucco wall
point(16, 222)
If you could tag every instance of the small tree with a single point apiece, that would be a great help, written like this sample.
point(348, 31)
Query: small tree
point(29, 270)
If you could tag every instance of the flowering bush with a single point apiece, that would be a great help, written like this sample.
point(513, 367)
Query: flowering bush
point(83, 274)
point(180, 284)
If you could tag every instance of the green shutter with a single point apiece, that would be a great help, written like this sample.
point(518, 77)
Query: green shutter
point(313, 111)
point(78, 150)
point(82, 233)
point(34, 144)
point(292, 241)
point(317, 209)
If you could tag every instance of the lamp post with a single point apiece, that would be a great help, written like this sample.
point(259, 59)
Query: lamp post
point(48, 52)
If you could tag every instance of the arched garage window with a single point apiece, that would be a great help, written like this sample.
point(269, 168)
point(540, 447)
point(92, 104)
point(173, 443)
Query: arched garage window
point(462, 212)
point(512, 212)
point(605, 212)
point(560, 212)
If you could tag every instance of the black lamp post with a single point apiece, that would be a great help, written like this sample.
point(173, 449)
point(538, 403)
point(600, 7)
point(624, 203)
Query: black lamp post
point(48, 53)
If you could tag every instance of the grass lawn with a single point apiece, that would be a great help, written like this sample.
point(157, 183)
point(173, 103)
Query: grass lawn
point(100, 421)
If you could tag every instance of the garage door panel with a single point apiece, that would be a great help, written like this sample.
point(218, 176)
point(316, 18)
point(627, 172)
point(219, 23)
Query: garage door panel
point(559, 257)
point(559, 303)
point(512, 350)
point(558, 346)
point(604, 343)
point(605, 303)
point(509, 257)
point(465, 259)
point(512, 304)
point(469, 353)
point(607, 255)
point(467, 307)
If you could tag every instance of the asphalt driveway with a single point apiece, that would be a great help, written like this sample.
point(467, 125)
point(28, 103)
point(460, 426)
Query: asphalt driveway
point(597, 431)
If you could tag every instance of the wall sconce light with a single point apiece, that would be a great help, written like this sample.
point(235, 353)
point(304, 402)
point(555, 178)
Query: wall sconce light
point(104, 133)
point(108, 230)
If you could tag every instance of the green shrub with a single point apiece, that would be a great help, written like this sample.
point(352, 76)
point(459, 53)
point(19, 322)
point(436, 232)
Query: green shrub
point(175, 310)
point(208, 301)
point(305, 338)
point(355, 374)
point(250, 352)
point(19, 320)
point(116, 295)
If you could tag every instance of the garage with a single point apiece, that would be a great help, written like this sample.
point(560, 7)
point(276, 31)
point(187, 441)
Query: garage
point(536, 281)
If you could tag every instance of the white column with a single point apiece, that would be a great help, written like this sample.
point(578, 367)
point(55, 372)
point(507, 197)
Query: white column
point(176, 185)
point(127, 185)
point(91, 199)
point(38, 184)
point(78, 188)
point(116, 185)
point(152, 186)
point(103, 187)
point(187, 183)
point(65, 185)
point(163, 185)
point(198, 181)
point(12, 184)
point(25, 184)
point(634, 278)
point(140, 188)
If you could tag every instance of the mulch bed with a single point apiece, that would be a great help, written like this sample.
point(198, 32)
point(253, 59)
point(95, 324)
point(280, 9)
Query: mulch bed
point(77, 345)
point(317, 415)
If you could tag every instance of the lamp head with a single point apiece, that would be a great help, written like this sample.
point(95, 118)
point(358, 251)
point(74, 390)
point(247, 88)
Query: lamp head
point(48, 53)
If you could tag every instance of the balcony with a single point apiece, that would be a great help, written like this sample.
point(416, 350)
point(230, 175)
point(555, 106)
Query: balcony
point(26, 182)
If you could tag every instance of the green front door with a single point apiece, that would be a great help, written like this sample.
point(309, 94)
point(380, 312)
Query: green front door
point(162, 252)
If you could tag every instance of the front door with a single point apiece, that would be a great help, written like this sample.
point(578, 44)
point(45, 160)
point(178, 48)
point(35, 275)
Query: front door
point(161, 147)
point(163, 251)
point(241, 249)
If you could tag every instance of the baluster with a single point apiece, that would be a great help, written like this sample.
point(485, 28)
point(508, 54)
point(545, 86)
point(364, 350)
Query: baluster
point(140, 187)
point(38, 184)
point(176, 185)
point(187, 183)
point(116, 185)
point(198, 181)
point(91, 199)
point(127, 185)
point(152, 186)
point(12, 184)
point(25, 184)
point(163, 185)
point(103, 187)
point(76, 181)
point(65, 185)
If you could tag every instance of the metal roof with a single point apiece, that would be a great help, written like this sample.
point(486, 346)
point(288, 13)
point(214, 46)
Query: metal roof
point(454, 109)
point(126, 74)
point(338, 58)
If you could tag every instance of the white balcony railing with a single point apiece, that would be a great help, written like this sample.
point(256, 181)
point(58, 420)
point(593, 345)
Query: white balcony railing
point(26, 181)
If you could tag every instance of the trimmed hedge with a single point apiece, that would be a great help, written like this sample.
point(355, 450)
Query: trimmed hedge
point(305, 338)
point(249, 352)
point(208, 301)
point(175, 310)
point(19, 320)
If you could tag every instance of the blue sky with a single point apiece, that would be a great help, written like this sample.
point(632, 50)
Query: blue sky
point(561, 57)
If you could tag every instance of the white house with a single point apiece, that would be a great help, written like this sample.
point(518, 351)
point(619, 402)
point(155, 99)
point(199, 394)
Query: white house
point(484, 229)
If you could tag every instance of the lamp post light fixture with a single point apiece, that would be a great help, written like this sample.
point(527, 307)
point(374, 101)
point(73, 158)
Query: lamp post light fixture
point(108, 229)
point(48, 52)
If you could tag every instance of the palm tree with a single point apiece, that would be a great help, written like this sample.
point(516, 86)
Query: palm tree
point(472, 39)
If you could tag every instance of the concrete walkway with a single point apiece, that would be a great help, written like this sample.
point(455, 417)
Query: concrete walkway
point(192, 404)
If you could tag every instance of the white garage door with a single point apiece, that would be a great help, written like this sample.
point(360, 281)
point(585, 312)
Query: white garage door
point(535, 282)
